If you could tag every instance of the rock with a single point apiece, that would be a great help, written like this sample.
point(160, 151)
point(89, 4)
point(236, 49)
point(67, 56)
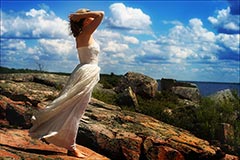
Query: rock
point(16, 144)
point(163, 151)
point(133, 97)
point(17, 77)
point(129, 98)
point(167, 84)
point(141, 84)
point(188, 93)
point(223, 96)
point(230, 157)
point(30, 93)
point(14, 113)
point(121, 134)
point(225, 133)
point(184, 90)
point(53, 80)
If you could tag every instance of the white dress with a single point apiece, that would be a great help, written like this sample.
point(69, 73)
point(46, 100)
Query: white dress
point(58, 122)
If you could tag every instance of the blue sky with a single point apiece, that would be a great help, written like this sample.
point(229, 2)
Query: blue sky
point(183, 40)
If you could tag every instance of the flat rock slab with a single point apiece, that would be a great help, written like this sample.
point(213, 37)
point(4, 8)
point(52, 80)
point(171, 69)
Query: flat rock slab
point(16, 144)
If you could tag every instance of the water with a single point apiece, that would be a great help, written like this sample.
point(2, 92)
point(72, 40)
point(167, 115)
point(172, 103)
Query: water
point(208, 88)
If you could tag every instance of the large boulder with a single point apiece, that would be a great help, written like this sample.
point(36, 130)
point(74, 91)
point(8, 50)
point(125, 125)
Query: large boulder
point(184, 90)
point(140, 84)
point(223, 96)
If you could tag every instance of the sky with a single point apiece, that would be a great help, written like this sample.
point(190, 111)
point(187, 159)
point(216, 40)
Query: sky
point(183, 40)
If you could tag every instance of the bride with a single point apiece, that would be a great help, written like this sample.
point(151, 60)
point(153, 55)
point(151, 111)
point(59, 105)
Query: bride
point(58, 122)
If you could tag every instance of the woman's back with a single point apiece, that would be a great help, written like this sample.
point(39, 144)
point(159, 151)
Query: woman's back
point(89, 54)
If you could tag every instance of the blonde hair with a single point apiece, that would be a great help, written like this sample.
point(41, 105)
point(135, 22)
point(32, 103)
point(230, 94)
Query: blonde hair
point(76, 27)
point(83, 10)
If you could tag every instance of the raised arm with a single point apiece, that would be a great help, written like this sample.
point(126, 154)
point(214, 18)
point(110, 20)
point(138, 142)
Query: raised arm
point(90, 28)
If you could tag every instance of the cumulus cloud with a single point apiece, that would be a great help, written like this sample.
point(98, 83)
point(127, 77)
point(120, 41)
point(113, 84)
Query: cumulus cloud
point(230, 49)
point(59, 47)
point(130, 18)
point(115, 47)
point(131, 39)
point(44, 49)
point(11, 51)
point(191, 43)
point(225, 22)
point(35, 35)
point(12, 44)
point(33, 24)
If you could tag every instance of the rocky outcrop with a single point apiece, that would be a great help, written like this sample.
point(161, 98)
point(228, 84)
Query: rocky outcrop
point(223, 96)
point(53, 80)
point(140, 84)
point(225, 133)
point(128, 98)
point(184, 90)
point(128, 135)
point(16, 144)
point(225, 130)
point(105, 128)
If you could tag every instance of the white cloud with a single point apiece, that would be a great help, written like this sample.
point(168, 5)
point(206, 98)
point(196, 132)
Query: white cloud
point(60, 47)
point(35, 13)
point(113, 46)
point(16, 51)
point(2, 28)
point(16, 44)
point(229, 41)
point(128, 17)
point(34, 24)
point(130, 39)
point(119, 55)
point(231, 26)
point(183, 43)
point(226, 22)
point(116, 49)
point(151, 46)
point(189, 44)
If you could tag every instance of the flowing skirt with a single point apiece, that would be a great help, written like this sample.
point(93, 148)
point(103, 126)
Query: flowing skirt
point(58, 122)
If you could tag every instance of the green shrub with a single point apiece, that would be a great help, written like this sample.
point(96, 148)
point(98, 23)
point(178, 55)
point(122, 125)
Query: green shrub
point(109, 81)
point(156, 107)
point(107, 98)
point(210, 114)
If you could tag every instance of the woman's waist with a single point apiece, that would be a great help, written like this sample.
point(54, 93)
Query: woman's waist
point(88, 64)
point(90, 61)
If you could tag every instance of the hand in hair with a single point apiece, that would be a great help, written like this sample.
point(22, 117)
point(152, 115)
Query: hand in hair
point(85, 22)
point(79, 15)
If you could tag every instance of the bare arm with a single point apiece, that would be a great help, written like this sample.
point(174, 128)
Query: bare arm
point(77, 16)
point(97, 15)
